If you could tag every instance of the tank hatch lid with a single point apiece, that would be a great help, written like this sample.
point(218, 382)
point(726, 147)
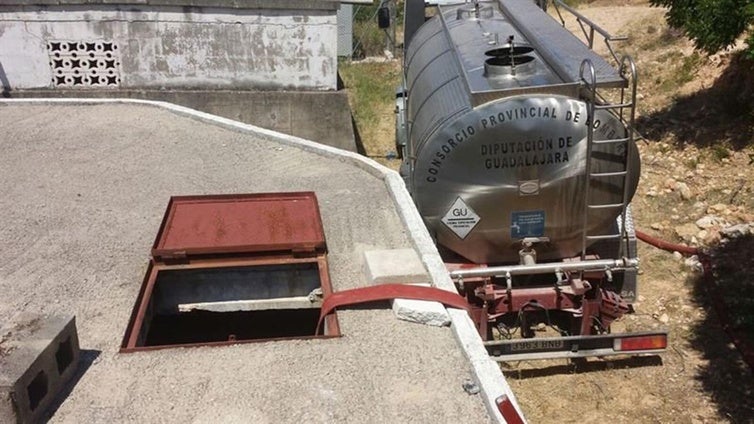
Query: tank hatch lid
point(260, 223)
point(562, 50)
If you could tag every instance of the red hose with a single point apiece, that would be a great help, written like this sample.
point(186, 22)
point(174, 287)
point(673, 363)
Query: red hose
point(712, 289)
point(664, 245)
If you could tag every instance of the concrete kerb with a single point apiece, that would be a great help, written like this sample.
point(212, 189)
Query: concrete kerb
point(487, 373)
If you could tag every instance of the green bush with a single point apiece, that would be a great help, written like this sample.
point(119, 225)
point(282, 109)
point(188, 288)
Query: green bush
point(369, 39)
point(713, 25)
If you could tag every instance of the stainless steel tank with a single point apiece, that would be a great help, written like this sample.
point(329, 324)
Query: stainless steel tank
point(497, 133)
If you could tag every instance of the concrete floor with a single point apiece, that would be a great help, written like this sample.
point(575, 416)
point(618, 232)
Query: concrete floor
point(82, 193)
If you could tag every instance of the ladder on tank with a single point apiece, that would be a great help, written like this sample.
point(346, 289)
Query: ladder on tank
point(625, 110)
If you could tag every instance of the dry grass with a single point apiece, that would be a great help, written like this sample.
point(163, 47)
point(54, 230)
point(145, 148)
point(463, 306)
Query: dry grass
point(371, 93)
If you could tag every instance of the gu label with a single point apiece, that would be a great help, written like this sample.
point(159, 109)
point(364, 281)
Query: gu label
point(527, 224)
point(460, 218)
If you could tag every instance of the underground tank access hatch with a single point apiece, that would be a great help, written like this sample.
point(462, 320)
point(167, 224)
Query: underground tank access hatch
point(234, 268)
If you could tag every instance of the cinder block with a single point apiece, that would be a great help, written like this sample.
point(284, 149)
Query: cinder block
point(38, 356)
point(394, 266)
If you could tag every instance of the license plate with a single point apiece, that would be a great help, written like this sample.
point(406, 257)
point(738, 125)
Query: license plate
point(537, 345)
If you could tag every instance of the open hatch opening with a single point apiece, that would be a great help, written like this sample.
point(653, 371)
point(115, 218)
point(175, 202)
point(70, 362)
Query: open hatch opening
point(229, 269)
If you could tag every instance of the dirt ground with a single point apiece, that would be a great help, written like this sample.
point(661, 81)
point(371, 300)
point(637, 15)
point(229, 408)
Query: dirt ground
point(696, 163)
point(694, 116)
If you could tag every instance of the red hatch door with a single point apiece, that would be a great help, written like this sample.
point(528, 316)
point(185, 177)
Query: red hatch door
point(272, 223)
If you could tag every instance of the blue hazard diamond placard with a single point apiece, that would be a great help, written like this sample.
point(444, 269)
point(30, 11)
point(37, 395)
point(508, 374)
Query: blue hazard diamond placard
point(527, 224)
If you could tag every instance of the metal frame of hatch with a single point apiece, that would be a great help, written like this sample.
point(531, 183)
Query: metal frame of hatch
point(275, 253)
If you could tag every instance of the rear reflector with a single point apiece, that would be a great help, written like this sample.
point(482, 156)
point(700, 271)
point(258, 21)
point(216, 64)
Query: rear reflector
point(653, 342)
point(508, 411)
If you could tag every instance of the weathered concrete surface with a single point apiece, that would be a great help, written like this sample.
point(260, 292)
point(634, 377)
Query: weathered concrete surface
point(82, 193)
point(156, 46)
point(321, 116)
point(38, 357)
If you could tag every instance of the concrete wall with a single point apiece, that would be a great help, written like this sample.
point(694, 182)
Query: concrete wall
point(146, 44)
point(321, 116)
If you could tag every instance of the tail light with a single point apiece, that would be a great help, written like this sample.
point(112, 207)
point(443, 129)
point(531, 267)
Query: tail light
point(649, 342)
point(508, 411)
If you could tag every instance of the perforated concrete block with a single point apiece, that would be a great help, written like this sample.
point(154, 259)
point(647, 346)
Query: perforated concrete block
point(38, 356)
point(394, 266)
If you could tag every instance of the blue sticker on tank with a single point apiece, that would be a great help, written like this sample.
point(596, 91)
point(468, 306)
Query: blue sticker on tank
point(527, 224)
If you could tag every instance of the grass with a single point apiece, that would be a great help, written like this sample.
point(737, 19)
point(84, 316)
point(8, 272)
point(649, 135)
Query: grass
point(370, 88)
point(659, 40)
point(369, 40)
point(689, 67)
point(371, 94)
point(660, 51)
point(719, 152)
point(684, 69)
point(691, 163)
point(575, 3)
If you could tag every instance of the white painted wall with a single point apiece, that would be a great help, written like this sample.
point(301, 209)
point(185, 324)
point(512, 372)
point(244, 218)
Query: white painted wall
point(164, 47)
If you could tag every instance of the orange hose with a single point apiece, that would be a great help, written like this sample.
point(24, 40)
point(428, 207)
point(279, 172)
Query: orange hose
point(664, 245)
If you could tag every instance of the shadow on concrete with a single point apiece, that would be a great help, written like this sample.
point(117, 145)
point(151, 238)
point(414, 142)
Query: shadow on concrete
point(585, 366)
point(340, 84)
point(4, 81)
point(360, 149)
point(721, 113)
point(369, 306)
point(727, 295)
point(86, 359)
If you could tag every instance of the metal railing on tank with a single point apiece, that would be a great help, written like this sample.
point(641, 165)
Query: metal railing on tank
point(589, 28)
point(596, 102)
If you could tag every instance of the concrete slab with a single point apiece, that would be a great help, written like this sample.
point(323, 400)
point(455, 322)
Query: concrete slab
point(394, 266)
point(82, 192)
